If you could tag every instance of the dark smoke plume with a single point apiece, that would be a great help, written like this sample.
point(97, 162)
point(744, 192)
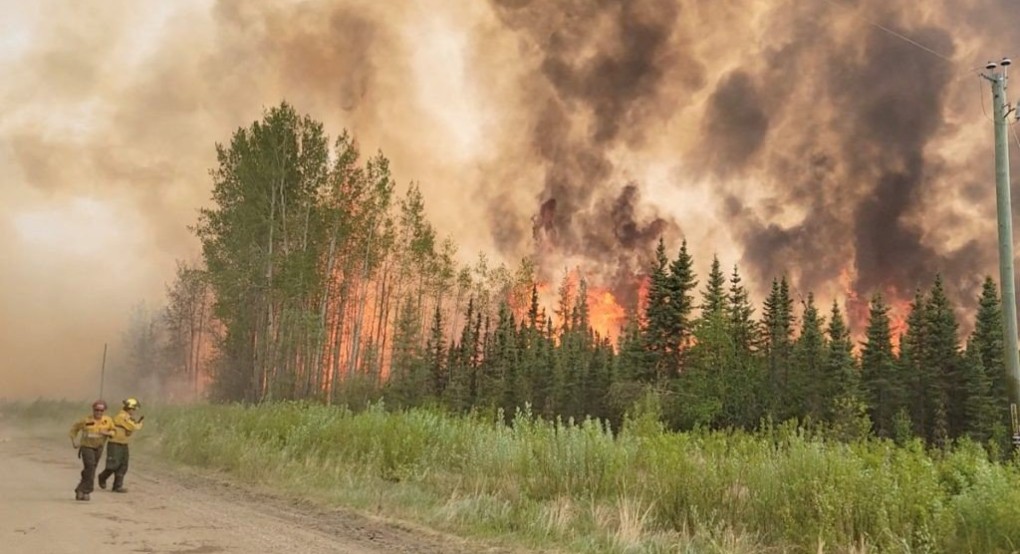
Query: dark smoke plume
point(784, 136)
point(828, 143)
point(600, 71)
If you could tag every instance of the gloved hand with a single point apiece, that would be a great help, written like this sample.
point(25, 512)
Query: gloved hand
point(75, 445)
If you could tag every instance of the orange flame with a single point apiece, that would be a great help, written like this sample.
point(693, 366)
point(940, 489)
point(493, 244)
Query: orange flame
point(607, 316)
point(858, 310)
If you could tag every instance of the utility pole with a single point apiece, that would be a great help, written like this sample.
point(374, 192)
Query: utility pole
point(1000, 112)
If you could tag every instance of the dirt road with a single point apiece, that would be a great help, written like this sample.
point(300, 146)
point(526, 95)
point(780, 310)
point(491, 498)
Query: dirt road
point(168, 512)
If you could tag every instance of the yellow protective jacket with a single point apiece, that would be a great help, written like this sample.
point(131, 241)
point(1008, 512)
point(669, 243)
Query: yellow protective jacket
point(123, 427)
point(91, 432)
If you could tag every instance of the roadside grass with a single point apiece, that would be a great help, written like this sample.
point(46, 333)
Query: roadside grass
point(582, 488)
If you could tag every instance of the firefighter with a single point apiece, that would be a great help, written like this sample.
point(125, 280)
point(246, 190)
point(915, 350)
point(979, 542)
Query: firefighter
point(124, 425)
point(88, 436)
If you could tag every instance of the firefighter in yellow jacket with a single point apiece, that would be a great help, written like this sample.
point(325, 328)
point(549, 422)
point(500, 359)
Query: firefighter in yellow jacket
point(124, 425)
point(89, 435)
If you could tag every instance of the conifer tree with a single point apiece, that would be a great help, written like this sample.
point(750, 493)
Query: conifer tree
point(658, 314)
point(436, 352)
point(713, 298)
point(846, 409)
point(777, 331)
point(988, 343)
point(502, 377)
point(915, 375)
point(945, 391)
point(878, 369)
point(807, 387)
point(842, 377)
point(740, 315)
point(408, 379)
point(681, 283)
point(979, 417)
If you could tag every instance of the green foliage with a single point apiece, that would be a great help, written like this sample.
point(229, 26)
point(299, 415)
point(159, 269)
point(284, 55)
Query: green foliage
point(326, 286)
point(987, 347)
point(777, 342)
point(740, 315)
point(880, 379)
point(807, 385)
point(658, 317)
point(582, 488)
point(944, 390)
point(256, 240)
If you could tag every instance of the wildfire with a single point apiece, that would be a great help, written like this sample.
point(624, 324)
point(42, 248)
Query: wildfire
point(607, 314)
point(858, 310)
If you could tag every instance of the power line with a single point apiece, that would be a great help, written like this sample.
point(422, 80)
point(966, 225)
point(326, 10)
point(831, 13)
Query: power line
point(891, 32)
point(981, 89)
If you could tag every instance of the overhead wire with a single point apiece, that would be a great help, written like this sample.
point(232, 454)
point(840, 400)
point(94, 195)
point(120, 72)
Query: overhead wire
point(891, 32)
point(983, 97)
point(915, 43)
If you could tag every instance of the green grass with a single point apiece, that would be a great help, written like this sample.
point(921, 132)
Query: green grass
point(580, 488)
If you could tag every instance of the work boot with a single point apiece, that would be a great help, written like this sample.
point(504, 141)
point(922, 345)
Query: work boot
point(85, 496)
point(102, 480)
point(78, 495)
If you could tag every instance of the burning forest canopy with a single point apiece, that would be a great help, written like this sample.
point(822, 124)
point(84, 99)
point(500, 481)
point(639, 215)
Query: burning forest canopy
point(841, 143)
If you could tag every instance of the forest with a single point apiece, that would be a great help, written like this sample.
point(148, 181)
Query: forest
point(321, 280)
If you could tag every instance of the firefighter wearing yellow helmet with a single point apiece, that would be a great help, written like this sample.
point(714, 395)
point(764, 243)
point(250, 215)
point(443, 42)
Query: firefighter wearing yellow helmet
point(124, 426)
point(89, 435)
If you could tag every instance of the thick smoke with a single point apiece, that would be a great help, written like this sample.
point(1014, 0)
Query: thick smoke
point(831, 146)
point(784, 136)
point(854, 118)
point(598, 75)
point(112, 114)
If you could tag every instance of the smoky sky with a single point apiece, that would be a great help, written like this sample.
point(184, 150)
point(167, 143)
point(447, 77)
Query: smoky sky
point(827, 144)
point(793, 138)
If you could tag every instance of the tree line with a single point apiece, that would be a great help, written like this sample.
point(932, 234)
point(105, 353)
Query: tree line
point(320, 281)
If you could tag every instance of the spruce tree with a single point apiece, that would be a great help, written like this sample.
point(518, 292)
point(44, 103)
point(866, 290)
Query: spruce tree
point(841, 375)
point(713, 298)
point(915, 374)
point(436, 353)
point(681, 283)
point(658, 314)
point(845, 408)
point(878, 369)
point(807, 387)
point(533, 308)
point(463, 362)
point(988, 343)
point(945, 391)
point(777, 342)
point(740, 315)
point(978, 406)
point(745, 404)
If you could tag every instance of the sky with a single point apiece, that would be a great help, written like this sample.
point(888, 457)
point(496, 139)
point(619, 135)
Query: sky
point(845, 143)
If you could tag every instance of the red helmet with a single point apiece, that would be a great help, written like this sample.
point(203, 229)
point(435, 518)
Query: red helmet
point(99, 405)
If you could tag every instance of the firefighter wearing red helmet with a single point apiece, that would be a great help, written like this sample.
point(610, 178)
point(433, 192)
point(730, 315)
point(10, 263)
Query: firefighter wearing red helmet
point(125, 424)
point(89, 435)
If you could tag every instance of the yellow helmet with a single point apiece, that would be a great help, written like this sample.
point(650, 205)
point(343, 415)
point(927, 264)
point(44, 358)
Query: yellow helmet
point(132, 403)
